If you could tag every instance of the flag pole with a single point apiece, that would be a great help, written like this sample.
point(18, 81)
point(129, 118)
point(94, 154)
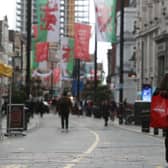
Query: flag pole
point(121, 61)
point(95, 65)
point(28, 47)
point(78, 80)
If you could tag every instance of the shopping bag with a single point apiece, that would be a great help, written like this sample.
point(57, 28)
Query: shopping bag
point(159, 112)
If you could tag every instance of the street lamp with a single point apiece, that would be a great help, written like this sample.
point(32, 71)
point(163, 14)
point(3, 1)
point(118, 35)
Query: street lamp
point(28, 47)
point(121, 60)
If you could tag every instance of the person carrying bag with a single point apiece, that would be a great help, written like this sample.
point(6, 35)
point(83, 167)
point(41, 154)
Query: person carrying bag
point(159, 110)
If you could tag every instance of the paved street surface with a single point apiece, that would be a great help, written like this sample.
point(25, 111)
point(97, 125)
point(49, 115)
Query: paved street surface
point(87, 144)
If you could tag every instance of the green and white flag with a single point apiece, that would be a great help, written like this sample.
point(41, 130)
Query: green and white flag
point(47, 28)
point(48, 20)
point(67, 51)
point(105, 20)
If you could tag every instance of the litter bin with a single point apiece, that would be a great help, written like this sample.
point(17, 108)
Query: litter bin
point(145, 120)
point(142, 114)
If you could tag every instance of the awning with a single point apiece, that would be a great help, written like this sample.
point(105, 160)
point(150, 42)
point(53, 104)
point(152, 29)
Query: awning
point(5, 70)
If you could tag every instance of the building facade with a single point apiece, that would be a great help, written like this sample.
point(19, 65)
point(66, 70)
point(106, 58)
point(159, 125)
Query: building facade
point(21, 15)
point(73, 11)
point(151, 42)
point(129, 84)
point(5, 48)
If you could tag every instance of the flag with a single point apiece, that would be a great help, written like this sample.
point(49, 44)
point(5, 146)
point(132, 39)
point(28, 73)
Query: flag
point(105, 20)
point(34, 64)
point(67, 50)
point(42, 51)
point(56, 75)
point(82, 37)
point(48, 20)
point(47, 27)
point(66, 54)
point(35, 31)
point(70, 64)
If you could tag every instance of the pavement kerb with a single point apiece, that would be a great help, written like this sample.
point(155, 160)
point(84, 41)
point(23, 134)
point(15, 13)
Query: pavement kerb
point(137, 129)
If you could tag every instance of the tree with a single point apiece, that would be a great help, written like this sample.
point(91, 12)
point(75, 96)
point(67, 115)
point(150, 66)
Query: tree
point(18, 94)
point(102, 92)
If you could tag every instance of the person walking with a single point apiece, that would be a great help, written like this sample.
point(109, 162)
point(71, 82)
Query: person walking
point(65, 106)
point(163, 91)
point(105, 111)
point(113, 109)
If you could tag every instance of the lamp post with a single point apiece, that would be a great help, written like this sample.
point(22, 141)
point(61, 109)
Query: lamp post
point(28, 47)
point(78, 80)
point(95, 66)
point(121, 60)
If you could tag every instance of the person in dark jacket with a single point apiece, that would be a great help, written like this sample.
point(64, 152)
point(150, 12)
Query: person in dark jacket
point(106, 112)
point(65, 107)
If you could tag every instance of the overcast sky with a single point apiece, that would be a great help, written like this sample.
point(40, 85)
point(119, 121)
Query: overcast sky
point(8, 7)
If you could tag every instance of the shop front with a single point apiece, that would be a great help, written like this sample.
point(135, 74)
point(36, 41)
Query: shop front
point(6, 72)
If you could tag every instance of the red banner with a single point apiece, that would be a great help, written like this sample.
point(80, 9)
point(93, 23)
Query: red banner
point(159, 112)
point(35, 31)
point(56, 75)
point(82, 36)
point(42, 51)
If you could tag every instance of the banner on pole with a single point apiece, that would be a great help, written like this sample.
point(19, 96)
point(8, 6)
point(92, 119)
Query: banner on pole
point(48, 20)
point(105, 20)
point(82, 37)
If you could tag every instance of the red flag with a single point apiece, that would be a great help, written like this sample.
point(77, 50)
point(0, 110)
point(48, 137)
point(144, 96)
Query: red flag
point(35, 31)
point(42, 51)
point(66, 54)
point(82, 36)
point(56, 75)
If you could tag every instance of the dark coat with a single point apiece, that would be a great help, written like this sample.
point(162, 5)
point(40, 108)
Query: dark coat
point(105, 110)
point(65, 106)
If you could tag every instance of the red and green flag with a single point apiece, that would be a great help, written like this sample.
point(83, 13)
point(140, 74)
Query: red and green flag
point(56, 75)
point(46, 30)
point(105, 20)
point(48, 20)
point(67, 49)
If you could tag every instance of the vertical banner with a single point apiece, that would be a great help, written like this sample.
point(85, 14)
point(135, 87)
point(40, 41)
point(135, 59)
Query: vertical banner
point(64, 73)
point(45, 32)
point(48, 20)
point(67, 51)
point(105, 20)
point(82, 37)
point(56, 75)
point(42, 51)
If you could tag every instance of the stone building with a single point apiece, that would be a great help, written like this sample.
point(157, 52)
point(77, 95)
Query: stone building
point(151, 29)
point(129, 84)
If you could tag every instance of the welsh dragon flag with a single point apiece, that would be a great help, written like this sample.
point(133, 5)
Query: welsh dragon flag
point(56, 75)
point(46, 30)
point(48, 20)
point(105, 20)
point(67, 51)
